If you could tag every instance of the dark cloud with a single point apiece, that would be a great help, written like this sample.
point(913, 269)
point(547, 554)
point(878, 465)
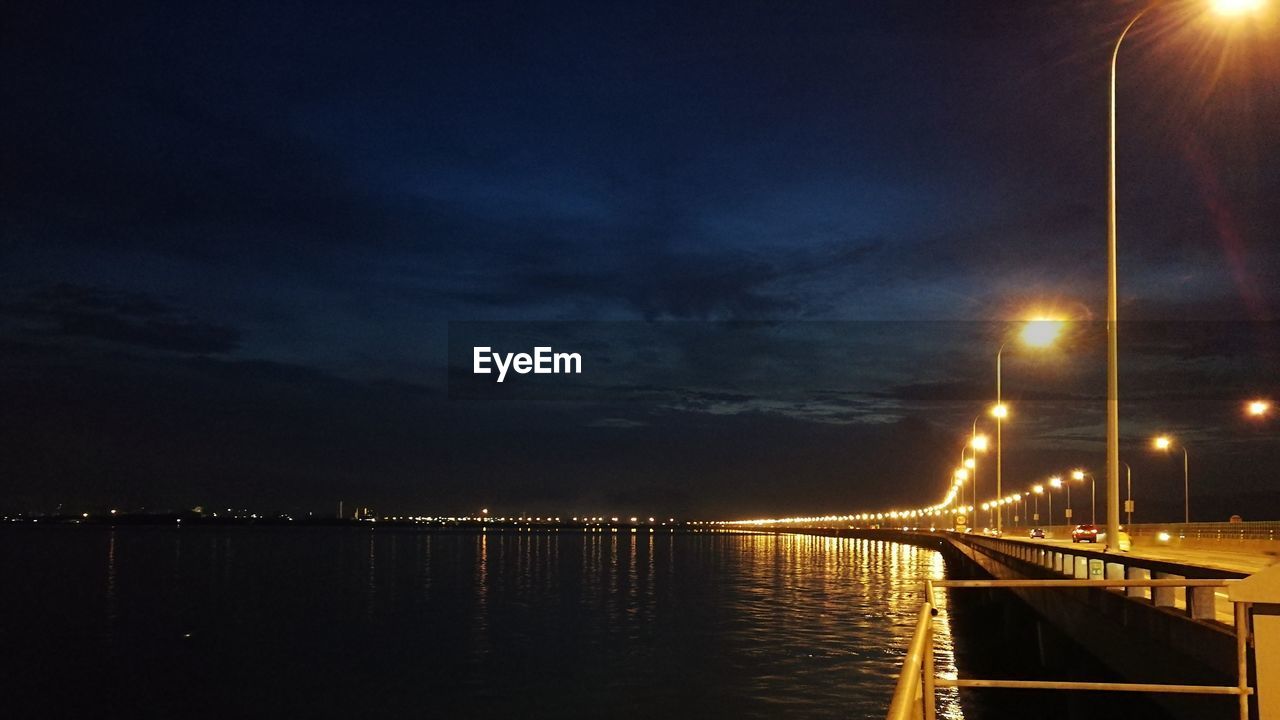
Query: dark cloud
point(309, 194)
point(125, 318)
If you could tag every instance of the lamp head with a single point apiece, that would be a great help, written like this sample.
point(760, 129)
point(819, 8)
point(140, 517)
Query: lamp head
point(1163, 442)
point(1041, 332)
point(1237, 7)
point(1258, 408)
point(1077, 474)
point(1000, 411)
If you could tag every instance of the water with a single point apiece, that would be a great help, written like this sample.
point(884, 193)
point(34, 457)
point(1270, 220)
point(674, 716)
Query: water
point(341, 622)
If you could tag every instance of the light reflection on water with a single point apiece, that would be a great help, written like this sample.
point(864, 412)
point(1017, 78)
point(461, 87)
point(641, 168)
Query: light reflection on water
point(565, 624)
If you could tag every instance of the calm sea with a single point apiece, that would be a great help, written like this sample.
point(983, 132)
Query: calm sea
point(349, 622)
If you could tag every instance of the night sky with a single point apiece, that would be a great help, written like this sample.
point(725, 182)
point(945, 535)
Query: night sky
point(242, 242)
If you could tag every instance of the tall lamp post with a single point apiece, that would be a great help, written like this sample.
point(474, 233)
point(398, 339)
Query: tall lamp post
point(1039, 490)
point(1080, 475)
point(958, 479)
point(979, 443)
point(1037, 333)
point(1165, 443)
point(1056, 482)
point(1224, 7)
point(971, 464)
point(1128, 504)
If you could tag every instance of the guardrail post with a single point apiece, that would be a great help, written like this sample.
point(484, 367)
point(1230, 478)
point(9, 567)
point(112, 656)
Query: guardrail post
point(1114, 571)
point(1164, 596)
point(1200, 603)
point(1081, 568)
point(1137, 573)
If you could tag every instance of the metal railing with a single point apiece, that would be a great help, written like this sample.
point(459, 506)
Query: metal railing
point(1252, 530)
point(914, 697)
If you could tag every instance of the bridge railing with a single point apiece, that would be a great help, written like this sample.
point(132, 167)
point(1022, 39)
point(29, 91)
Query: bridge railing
point(914, 697)
point(1238, 531)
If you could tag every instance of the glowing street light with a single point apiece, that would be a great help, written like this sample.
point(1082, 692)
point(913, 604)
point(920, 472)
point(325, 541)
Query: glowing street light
point(1079, 476)
point(1237, 7)
point(1055, 482)
point(1258, 408)
point(1223, 7)
point(979, 442)
point(969, 463)
point(1040, 332)
point(1165, 443)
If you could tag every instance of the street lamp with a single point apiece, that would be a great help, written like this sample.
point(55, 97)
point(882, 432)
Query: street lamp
point(1223, 7)
point(1039, 332)
point(1257, 408)
point(1128, 504)
point(1039, 490)
point(1056, 482)
point(1164, 443)
point(1080, 475)
point(976, 442)
point(1237, 7)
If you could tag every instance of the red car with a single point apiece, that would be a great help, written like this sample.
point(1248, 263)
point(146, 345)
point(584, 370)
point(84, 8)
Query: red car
point(1084, 533)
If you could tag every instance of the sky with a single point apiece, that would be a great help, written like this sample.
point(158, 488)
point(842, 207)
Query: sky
point(243, 242)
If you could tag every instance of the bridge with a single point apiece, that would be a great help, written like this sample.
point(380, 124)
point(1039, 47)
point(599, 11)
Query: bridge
point(1190, 614)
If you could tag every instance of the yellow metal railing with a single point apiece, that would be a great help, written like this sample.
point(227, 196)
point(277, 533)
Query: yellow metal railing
point(914, 697)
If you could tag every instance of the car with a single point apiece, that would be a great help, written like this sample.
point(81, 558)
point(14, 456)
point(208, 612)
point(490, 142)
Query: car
point(1084, 533)
point(1036, 533)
